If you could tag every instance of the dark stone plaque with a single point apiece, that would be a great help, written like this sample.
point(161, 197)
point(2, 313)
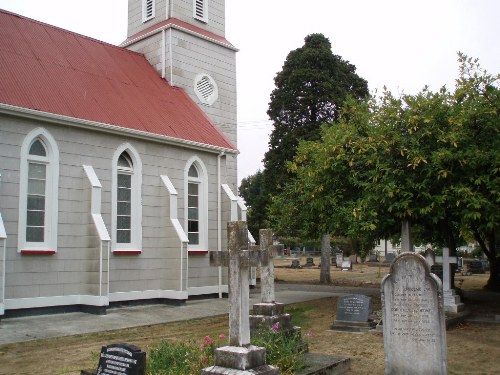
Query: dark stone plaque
point(122, 359)
point(354, 307)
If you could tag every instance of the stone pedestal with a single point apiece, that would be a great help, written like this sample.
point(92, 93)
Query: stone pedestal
point(241, 361)
point(269, 314)
point(452, 302)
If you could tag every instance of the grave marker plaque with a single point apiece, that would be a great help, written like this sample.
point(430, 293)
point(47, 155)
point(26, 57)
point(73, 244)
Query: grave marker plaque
point(122, 359)
point(353, 313)
point(413, 315)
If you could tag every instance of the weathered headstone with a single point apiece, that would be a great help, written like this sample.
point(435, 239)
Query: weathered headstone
point(240, 355)
point(389, 258)
point(413, 314)
point(346, 265)
point(295, 264)
point(353, 313)
point(430, 257)
point(451, 299)
point(123, 359)
point(371, 258)
point(310, 262)
point(476, 266)
point(339, 257)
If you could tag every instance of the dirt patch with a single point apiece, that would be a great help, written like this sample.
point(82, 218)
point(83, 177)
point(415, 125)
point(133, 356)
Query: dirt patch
point(472, 348)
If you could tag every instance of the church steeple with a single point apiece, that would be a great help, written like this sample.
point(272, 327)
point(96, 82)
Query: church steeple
point(184, 40)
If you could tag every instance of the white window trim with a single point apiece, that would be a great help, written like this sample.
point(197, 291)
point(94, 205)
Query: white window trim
point(203, 18)
point(203, 202)
point(144, 10)
point(51, 196)
point(136, 204)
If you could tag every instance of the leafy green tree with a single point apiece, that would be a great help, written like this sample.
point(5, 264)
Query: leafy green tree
point(252, 191)
point(430, 158)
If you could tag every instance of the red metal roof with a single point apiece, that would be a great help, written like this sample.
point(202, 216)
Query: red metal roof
point(53, 70)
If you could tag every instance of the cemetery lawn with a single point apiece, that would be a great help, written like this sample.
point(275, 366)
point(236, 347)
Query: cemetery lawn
point(473, 348)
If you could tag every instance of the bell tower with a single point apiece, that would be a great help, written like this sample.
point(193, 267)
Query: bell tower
point(184, 40)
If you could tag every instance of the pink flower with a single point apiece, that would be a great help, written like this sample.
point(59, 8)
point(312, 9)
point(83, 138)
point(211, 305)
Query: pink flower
point(208, 340)
point(202, 346)
point(310, 333)
point(204, 360)
point(221, 336)
point(275, 327)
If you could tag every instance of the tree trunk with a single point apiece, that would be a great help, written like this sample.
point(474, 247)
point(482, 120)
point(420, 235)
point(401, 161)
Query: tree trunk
point(490, 249)
point(324, 277)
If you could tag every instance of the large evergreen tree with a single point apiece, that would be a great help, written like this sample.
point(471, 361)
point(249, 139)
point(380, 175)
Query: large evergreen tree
point(310, 91)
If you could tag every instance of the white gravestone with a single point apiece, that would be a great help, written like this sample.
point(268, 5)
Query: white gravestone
point(414, 323)
point(451, 299)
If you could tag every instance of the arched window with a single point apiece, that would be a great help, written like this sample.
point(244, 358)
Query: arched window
point(126, 197)
point(196, 216)
point(38, 205)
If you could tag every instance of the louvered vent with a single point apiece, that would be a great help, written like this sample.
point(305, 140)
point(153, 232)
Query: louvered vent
point(148, 10)
point(200, 11)
point(206, 89)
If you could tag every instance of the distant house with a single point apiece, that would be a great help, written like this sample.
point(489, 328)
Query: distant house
point(117, 163)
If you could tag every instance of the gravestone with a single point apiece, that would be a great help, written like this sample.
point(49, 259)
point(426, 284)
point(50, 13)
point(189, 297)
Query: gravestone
point(353, 259)
point(240, 357)
point(346, 265)
point(430, 257)
point(389, 258)
point(413, 314)
point(353, 313)
point(451, 299)
point(309, 262)
point(295, 264)
point(476, 266)
point(371, 258)
point(339, 258)
point(123, 359)
point(268, 312)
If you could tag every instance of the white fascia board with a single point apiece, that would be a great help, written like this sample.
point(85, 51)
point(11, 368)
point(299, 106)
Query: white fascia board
point(108, 128)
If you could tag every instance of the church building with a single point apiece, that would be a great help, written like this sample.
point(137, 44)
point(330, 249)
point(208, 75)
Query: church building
point(117, 163)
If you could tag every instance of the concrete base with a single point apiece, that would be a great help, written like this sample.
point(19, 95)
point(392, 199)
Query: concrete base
point(240, 358)
point(324, 364)
point(452, 302)
point(267, 315)
point(261, 370)
point(349, 326)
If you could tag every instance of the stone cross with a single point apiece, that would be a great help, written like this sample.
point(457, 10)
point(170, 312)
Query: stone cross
point(239, 260)
point(446, 260)
point(451, 300)
point(267, 269)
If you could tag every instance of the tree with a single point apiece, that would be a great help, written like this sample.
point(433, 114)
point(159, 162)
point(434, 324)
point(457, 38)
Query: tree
point(430, 158)
point(310, 91)
point(252, 191)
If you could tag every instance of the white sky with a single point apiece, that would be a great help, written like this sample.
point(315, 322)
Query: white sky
point(402, 44)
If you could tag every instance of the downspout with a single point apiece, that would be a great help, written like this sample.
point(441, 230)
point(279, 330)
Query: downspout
point(163, 57)
point(219, 216)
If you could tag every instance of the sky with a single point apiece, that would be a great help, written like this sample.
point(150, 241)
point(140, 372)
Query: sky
point(401, 44)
